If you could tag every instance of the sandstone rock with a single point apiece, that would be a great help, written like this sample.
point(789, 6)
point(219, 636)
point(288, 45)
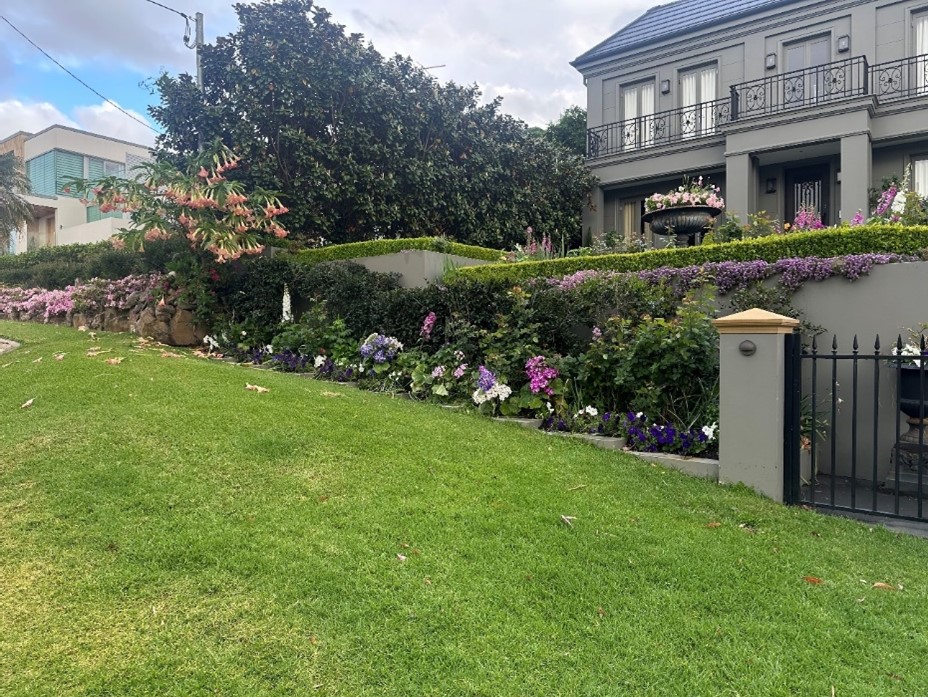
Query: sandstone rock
point(184, 330)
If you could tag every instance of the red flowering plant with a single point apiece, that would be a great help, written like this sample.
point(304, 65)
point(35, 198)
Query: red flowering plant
point(214, 213)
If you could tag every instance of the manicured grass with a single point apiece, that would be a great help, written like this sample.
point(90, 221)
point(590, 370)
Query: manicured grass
point(164, 531)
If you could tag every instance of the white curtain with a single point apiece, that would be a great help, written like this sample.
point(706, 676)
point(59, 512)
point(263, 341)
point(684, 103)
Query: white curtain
point(707, 88)
point(630, 112)
point(647, 111)
point(920, 176)
point(689, 126)
point(921, 49)
point(631, 214)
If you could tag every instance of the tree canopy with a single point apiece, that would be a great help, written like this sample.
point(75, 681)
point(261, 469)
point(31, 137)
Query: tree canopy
point(361, 146)
point(14, 210)
point(569, 130)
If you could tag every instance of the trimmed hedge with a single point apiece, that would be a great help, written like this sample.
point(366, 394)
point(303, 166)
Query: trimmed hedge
point(833, 242)
point(373, 248)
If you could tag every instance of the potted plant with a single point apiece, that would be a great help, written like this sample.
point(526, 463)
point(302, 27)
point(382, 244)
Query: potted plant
point(684, 212)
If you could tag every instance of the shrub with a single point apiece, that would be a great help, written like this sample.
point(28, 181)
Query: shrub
point(373, 248)
point(823, 243)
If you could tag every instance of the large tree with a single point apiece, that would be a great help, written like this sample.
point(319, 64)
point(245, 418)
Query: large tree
point(360, 145)
point(569, 130)
point(14, 210)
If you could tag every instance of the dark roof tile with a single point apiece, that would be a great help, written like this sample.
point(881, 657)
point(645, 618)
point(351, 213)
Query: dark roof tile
point(675, 19)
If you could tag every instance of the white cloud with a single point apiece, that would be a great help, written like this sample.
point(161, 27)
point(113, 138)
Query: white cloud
point(30, 117)
point(104, 119)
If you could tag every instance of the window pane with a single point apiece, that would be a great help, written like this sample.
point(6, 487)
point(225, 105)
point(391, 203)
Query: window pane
point(920, 176)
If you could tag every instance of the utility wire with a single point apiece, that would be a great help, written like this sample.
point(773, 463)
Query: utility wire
point(105, 99)
point(170, 9)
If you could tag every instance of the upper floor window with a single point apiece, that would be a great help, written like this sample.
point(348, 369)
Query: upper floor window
point(807, 83)
point(697, 88)
point(637, 115)
point(920, 38)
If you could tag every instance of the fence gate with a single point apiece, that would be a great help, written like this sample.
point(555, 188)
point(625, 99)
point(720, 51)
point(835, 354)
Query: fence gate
point(854, 437)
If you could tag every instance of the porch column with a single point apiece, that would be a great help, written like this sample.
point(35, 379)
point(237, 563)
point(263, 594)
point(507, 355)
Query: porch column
point(856, 175)
point(593, 217)
point(740, 185)
point(752, 399)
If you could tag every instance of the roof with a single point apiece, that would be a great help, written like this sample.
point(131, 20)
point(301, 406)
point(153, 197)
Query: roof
point(675, 19)
point(87, 133)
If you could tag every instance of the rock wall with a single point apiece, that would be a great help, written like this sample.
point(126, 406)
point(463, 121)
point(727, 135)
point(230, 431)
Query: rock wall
point(169, 322)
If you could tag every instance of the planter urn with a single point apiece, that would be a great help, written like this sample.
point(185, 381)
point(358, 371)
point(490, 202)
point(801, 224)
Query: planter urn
point(683, 221)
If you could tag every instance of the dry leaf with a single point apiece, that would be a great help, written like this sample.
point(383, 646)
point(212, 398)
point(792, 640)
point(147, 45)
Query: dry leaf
point(60, 356)
point(427, 581)
point(28, 404)
point(568, 520)
point(600, 612)
point(114, 361)
point(170, 354)
point(93, 335)
point(879, 585)
point(256, 388)
point(82, 328)
point(332, 394)
point(714, 524)
point(814, 580)
point(401, 557)
point(38, 360)
point(6, 365)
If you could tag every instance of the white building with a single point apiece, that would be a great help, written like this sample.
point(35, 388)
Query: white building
point(51, 157)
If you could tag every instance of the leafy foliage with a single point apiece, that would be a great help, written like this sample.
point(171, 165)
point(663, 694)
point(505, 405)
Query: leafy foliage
point(14, 210)
point(888, 239)
point(569, 130)
point(355, 250)
point(362, 146)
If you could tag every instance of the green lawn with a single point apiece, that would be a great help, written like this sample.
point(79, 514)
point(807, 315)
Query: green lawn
point(164, 531)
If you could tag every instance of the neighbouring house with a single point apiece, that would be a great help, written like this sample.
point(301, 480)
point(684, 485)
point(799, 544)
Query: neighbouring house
point(51, 157)
point(783, 103)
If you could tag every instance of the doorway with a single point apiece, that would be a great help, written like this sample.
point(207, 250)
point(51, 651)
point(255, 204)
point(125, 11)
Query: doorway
point(808, 187)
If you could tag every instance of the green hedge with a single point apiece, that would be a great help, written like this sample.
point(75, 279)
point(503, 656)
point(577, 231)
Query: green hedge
point(823, 243)
point(355, 250)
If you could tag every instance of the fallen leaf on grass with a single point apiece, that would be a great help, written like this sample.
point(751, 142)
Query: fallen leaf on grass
point(568, 520)
point(427, 581)
point(332, 394)
point(879, 585)
point(6, 365)
point(170, 354)
point(114, 361)
point(94, 352)
point(28, 403)
point(401, 557)
point(82, 328)
point(60, 356)
point(256, 388)
point(600, 612)
point(814, 580)
point(714, 524)
point(38, 360)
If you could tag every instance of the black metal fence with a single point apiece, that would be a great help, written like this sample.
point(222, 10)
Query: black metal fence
point(846, 444)
point(801, 88)
point(900, 79)
point(662, 128)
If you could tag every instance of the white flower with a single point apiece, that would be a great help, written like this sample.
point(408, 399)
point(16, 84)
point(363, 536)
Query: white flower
point(287, 309)
point(709, 431)
point(244, 333)
point(479, 397)
point(319, 361)
point(639, 414)
point(211, 342)
point(899, 203)
point(550, 408)
point(591, 411)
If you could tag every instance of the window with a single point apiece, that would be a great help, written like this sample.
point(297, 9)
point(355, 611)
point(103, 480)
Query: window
point(921, 34)
point(41, 172)
point(637, 115)
point(697, 88)
point(808, 85)
point(920, 175)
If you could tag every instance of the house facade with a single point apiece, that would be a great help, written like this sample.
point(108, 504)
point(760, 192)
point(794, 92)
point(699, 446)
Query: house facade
point(51, 157)
point(783, 103)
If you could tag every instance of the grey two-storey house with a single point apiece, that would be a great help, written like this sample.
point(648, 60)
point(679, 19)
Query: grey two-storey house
point(783, 103)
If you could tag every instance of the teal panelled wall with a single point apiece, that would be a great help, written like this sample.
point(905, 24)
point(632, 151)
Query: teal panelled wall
point(67, 165)
point(41, 171)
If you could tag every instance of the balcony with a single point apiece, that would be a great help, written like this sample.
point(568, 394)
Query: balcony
point(663, 128)
point(778, 94)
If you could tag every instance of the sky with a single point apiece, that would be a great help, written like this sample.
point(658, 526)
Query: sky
point(516, 49)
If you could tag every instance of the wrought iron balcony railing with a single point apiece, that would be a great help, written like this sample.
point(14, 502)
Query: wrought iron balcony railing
point(900, 79)
point(801, 88)
point(798, 89)
point(662, 128)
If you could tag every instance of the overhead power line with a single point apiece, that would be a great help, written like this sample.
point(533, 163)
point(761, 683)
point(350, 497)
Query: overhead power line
point(105, 99)
point(170, 9)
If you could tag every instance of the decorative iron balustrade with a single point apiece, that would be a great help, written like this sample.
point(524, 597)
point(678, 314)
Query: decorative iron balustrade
point(663, 128)
point(900, 79)
point(798, 89)
point(853, 77)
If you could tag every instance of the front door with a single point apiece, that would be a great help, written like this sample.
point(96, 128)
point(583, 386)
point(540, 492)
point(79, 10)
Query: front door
point(808, 187)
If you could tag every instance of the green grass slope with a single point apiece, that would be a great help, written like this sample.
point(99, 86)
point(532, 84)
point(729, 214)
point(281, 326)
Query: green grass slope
point(165, 531)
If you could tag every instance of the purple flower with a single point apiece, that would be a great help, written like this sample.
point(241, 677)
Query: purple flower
point(485, 379)
point(540, 375)
point(427, 324)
